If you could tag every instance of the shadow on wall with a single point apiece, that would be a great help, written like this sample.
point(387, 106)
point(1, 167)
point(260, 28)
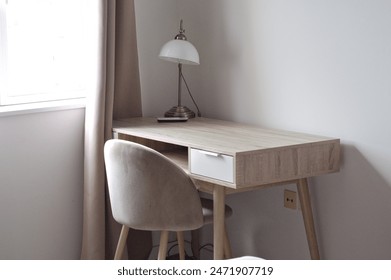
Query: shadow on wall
point(261, 226)
point(352, 210)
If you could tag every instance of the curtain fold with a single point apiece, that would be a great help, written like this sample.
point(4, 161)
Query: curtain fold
point(117, 95)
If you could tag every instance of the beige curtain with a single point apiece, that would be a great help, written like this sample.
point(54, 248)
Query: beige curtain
point(117, 96)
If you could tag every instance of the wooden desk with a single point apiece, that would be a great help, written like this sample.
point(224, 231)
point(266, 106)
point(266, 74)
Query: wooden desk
point(226, 157)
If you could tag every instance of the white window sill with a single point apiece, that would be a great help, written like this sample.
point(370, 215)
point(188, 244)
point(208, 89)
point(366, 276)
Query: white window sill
point(39, 107)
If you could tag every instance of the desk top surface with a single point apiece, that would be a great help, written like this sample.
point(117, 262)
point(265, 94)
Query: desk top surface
point(210, 134)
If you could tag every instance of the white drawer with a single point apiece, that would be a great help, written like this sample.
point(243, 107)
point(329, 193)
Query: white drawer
point(212, 165)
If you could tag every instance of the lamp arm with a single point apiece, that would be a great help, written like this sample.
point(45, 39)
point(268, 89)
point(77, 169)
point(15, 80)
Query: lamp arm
point(180, 84)
point(192, 98)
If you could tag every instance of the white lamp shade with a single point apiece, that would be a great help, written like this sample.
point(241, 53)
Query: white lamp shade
point(180, 51)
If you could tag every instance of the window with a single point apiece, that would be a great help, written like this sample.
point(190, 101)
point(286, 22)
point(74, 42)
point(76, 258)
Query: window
point(43, 50)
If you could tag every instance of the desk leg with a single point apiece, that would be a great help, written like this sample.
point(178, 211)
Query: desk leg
point(218, 221)
point(305, 202)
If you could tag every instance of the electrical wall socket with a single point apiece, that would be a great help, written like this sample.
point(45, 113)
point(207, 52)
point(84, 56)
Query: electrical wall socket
point(290, 199)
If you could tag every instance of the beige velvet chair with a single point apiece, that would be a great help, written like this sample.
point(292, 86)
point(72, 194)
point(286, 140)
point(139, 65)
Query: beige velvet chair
point(149, 192)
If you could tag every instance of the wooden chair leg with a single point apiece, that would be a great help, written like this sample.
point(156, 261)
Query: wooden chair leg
point(163, 245)
point(121, 243)
point(181, 244)
point(227, 245)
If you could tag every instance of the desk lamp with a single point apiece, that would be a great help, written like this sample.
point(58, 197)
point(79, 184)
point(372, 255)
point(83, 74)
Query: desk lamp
point(180, 51)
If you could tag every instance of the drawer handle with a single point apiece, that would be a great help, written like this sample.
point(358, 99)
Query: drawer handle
point(210, 153)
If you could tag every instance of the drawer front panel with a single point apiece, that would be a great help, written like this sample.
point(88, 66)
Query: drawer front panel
point(212, 165)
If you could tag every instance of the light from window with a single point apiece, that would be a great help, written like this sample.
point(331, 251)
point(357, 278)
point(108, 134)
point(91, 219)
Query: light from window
point(43, 50)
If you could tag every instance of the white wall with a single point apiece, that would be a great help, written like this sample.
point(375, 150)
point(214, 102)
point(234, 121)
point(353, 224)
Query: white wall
point(321, 67)
point(41, 185)
point(157, 22)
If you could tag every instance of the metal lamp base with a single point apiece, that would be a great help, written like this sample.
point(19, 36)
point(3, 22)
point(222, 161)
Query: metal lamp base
point(180, 111)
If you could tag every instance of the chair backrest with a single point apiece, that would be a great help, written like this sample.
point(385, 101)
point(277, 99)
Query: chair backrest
point(148, 191)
